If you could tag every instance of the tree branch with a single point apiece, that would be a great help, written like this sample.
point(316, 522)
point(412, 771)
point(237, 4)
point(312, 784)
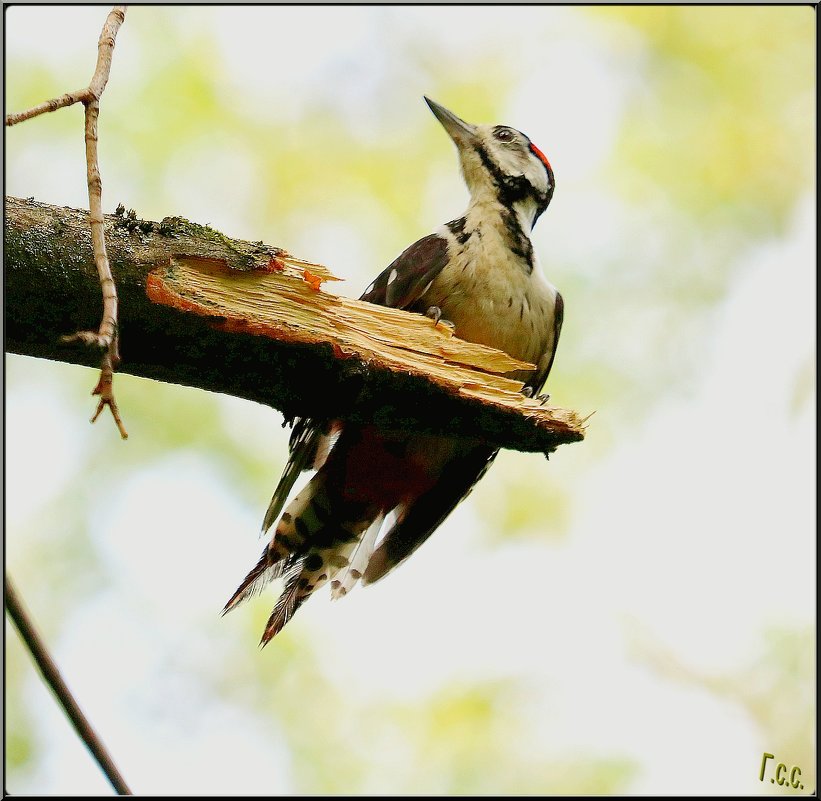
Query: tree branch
point(246, 319)
point(51, 674)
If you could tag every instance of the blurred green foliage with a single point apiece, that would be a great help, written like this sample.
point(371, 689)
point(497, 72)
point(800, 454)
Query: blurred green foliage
point(778, 679)
point(696, 126)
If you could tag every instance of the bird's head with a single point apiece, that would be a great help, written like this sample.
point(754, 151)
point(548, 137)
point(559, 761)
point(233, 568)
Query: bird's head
point(500, 160)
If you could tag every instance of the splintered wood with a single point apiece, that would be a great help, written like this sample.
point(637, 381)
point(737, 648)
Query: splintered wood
point(284, 302)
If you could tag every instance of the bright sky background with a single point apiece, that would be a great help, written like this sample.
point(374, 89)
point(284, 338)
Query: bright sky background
point(691, 531)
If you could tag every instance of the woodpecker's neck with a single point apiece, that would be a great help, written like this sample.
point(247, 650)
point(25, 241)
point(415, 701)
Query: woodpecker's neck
point(510, 225)
point(527, 211)
point(487, 181)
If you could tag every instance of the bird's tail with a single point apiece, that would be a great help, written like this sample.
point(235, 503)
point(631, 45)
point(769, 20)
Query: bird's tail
point(321, 537)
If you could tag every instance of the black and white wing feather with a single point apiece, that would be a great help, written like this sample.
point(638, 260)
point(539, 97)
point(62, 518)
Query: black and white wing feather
point(305, 444)
point(421, 519)
point(429, 511)
point(408, 277)
point(399, 285)
point(546, 362)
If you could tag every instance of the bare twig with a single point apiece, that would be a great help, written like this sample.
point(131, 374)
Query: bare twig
point(48, 669)
point(106, 336)
point(105, 48)
point(68, 99)
point(103, 389)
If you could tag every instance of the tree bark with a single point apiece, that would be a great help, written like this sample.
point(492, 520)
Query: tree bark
point(247, 319)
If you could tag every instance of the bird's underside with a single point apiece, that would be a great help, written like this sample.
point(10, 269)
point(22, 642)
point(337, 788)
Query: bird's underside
point(480, 273)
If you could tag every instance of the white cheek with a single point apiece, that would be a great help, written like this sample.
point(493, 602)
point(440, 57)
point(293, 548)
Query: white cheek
point(537, 175)
point(508, 162)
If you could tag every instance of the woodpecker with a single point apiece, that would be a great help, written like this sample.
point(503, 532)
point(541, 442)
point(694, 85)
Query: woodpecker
point(480, 273)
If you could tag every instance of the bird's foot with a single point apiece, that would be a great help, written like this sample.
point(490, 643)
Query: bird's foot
point(435, 314)
point(542, 399)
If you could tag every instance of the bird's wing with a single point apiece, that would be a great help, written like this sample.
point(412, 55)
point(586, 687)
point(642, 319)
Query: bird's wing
point(461, 474)
point(546, 362)
point(304, 445)
point(401, 284)
point(408, 277)
point(429, 511)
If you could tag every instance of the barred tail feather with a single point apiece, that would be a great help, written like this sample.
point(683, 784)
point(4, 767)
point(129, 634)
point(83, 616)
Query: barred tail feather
point(291, 599)
point(287, 550)
point(321, 535)
point(266, 569)
point(358, 560)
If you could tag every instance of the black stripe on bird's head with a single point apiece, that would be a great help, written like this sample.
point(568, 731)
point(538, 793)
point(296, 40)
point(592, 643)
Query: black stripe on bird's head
point(499, 159)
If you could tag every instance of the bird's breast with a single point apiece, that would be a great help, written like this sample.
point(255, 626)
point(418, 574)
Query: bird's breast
point(494, 299)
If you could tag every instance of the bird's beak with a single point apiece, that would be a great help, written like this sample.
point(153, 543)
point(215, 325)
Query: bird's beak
point(460, 131)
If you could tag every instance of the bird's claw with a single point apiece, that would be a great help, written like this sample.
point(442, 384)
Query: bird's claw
point(435, 314)
point(542, 399)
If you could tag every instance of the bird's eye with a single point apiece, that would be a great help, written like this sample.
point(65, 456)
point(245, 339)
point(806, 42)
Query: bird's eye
point(504, 135)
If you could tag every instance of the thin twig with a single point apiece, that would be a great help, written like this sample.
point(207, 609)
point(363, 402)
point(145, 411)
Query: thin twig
point(68, 99)
point(48, 669)
point(106, 336)
point(105, 49)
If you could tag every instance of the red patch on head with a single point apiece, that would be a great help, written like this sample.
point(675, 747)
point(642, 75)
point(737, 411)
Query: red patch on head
point(541, 156)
